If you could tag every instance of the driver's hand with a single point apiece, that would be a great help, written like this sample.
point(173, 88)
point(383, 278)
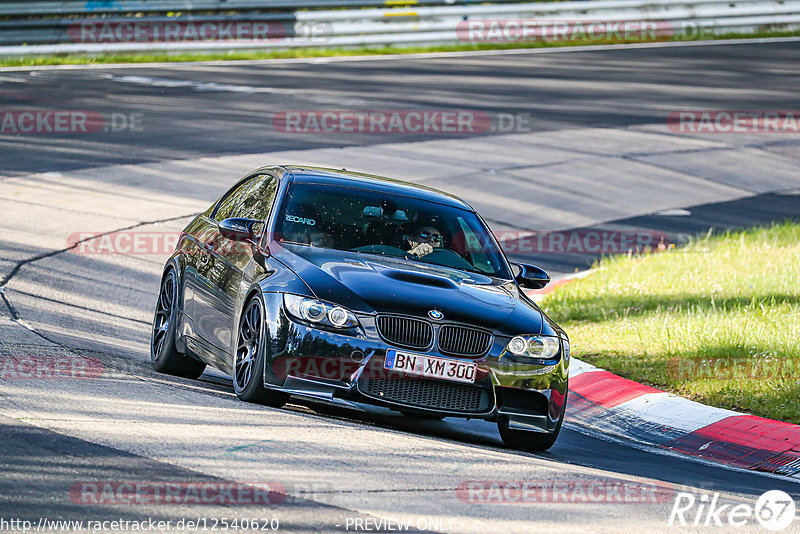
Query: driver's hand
point(421, 250)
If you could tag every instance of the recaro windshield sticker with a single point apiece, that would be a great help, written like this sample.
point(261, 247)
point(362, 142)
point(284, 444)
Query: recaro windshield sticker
point(301, 220)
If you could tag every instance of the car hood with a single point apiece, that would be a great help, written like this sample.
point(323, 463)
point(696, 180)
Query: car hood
point(368, 283)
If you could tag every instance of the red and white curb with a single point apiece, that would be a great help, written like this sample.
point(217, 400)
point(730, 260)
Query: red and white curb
point(614, 405)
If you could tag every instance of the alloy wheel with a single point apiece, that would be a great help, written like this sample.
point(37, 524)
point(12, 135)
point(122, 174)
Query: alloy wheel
point(249, 344)
point(163, 316)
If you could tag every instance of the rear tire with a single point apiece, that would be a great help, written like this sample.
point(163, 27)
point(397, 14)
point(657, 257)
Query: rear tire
point(248, 361)
point(525, 440)
point(164, 355)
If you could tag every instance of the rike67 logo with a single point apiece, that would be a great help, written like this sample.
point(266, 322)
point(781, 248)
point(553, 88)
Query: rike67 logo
point(774, 510)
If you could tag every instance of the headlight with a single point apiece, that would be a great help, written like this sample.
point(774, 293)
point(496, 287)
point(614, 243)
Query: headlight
point(518, 345)
point(538, 347)
point(338, 317)
point(318, 312)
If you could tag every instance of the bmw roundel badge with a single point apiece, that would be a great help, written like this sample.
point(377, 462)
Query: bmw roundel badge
point(436, 315)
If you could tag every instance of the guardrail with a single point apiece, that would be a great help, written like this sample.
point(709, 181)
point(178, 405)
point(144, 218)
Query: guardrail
point(83, 7)
point(400, 26)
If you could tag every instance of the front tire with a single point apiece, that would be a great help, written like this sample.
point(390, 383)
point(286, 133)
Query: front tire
point(164, 355)
point(530, 441)
point(248, 363)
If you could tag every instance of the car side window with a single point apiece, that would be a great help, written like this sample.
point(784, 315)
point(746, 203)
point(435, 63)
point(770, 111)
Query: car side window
point(227, 206)
point(257, 203)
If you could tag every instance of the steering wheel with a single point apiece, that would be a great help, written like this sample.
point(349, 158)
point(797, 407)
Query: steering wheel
point(446, 258)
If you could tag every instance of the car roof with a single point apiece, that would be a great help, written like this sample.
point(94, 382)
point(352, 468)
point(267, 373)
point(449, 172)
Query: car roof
point(345, 178)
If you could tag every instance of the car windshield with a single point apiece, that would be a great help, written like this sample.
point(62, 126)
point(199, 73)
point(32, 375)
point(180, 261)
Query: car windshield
point(374, 222)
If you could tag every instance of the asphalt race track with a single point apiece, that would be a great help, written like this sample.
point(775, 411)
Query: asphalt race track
point(597, 154)
point(196, 111)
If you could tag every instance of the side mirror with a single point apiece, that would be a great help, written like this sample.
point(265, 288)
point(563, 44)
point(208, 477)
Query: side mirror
point(238, 229)
point(530, 276)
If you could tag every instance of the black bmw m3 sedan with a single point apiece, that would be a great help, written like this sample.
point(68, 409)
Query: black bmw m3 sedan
point(323, 283)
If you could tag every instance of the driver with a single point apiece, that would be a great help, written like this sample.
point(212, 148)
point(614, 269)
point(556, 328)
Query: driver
point(423, 241)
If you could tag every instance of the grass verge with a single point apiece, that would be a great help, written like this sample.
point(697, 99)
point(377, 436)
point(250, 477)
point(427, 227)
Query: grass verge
point(715, 321)
point(300, 53)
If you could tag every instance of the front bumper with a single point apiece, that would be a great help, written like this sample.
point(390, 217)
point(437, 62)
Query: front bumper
point(318, 363)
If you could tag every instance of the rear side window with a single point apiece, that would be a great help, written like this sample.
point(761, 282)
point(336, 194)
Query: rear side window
point(227, 206)
point(258, 201)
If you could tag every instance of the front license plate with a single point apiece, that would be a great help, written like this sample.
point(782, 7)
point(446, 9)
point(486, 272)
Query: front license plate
point(430, 366)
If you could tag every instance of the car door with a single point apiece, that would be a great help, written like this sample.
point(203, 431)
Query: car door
point(221, 280)
point(209, 296)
